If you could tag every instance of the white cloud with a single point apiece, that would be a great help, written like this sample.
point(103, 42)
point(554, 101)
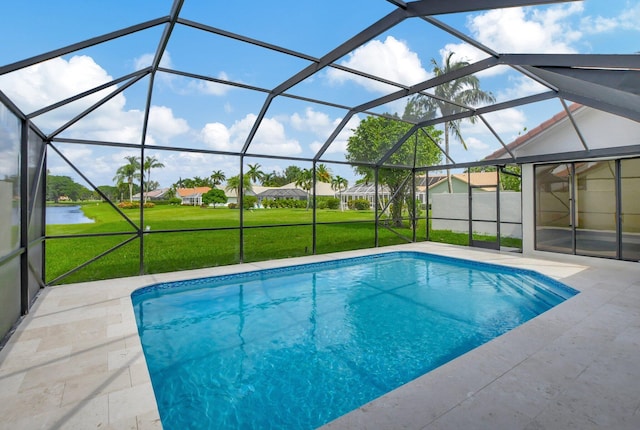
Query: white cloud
point(462, 52)
point(211, 88)
point(519, 86)
point(391, 59)
point(475, 144)
point(321, 125)
point(270, 137)
point(339, 144)
point(163, 125)
point(519, 30)
point(318, 123)
point(145, 60)
point(57, 79)
point(507, 122)
point(49, 82)
point(628, 19)
point(217, 136)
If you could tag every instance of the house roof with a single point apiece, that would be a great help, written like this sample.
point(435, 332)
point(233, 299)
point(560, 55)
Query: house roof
point(534, 132)
point(475, 179)
point(365, 189)
point(154, 193)
point(187, 192)
point(292, 193)
point(322, 188)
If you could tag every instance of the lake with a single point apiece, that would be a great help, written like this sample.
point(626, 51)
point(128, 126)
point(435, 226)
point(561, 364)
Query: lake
point(66, 215)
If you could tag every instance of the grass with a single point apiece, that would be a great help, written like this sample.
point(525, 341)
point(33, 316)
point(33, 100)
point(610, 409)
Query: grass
point(164, 251)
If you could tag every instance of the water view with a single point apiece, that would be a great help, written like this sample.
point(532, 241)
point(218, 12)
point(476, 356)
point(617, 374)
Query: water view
point(66, 215)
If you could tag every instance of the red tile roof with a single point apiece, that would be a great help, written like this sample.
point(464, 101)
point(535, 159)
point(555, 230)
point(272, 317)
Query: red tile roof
point(183, 192)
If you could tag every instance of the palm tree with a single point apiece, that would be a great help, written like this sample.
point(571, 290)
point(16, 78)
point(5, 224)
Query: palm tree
point(217, 177)
point(234, 184)
point(304, 180)
point(339, 184)
point(464, 90)
point(150, 162)
point(323, 174)
point(127, 173)
point(268, 179)
point(254, 172)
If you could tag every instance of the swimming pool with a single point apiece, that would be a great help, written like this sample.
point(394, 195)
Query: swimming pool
point(296, 347)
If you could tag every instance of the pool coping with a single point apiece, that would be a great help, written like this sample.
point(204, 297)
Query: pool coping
point(76, 360)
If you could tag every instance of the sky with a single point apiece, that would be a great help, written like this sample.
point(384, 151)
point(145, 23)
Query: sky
point(191, 113)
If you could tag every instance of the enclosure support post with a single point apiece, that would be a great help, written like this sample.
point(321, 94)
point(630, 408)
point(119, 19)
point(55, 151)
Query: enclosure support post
point(313, 213)
point(375, 203)
point(24, 218)
point(240, 198)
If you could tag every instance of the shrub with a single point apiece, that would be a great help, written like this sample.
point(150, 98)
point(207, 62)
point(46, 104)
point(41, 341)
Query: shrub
point(232, 205)
point(359, 204)
point(333, 203)
point(134, 205)
point(175, 201)
point(249, 201)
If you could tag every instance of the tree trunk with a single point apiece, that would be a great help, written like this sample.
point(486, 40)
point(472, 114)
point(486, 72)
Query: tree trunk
point(446, 150)
point(146, 186)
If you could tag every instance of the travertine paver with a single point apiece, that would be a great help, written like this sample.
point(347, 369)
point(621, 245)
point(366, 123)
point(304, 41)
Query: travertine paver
point(76, 361)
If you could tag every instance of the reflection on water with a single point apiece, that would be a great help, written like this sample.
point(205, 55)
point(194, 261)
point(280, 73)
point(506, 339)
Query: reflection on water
point(66, 215)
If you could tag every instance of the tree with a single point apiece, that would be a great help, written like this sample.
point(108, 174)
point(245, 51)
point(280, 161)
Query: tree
point(323, 174)
point(234, 184)
point(128, 173)
point(58, 186)
point(214, 196)
point(217, 177)
point(109, 191)
point(150, 162)
point(254, 173)
point(374, 137)
point(305, 181)
point(268, 179)
point(339, 184)
point(291, 173)
point(194, 182)
point(464, 90)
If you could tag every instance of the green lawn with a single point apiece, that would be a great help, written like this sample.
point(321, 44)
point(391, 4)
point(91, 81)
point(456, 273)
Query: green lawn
point(166, 251)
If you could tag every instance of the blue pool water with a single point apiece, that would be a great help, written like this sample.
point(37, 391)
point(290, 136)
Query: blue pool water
point(294, 348)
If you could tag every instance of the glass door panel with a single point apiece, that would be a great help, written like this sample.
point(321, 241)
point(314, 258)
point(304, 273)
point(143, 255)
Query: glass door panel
point(596, 209)
point(553, 208)
point(630, 208)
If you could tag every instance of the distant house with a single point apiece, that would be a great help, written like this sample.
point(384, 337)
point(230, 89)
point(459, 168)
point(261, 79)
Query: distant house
point(282, 193)
point(322, 189)
point(364, 192)
point(158, 194)
point(232, 194)
point(461, 182)
point(292, 191)
point(191, 196)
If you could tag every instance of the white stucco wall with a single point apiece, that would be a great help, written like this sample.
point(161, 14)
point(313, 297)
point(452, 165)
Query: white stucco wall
point(456, 206)
point(599, 130)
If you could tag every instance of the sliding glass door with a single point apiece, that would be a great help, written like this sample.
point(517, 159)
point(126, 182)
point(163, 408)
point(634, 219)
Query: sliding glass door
point(589, 208)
